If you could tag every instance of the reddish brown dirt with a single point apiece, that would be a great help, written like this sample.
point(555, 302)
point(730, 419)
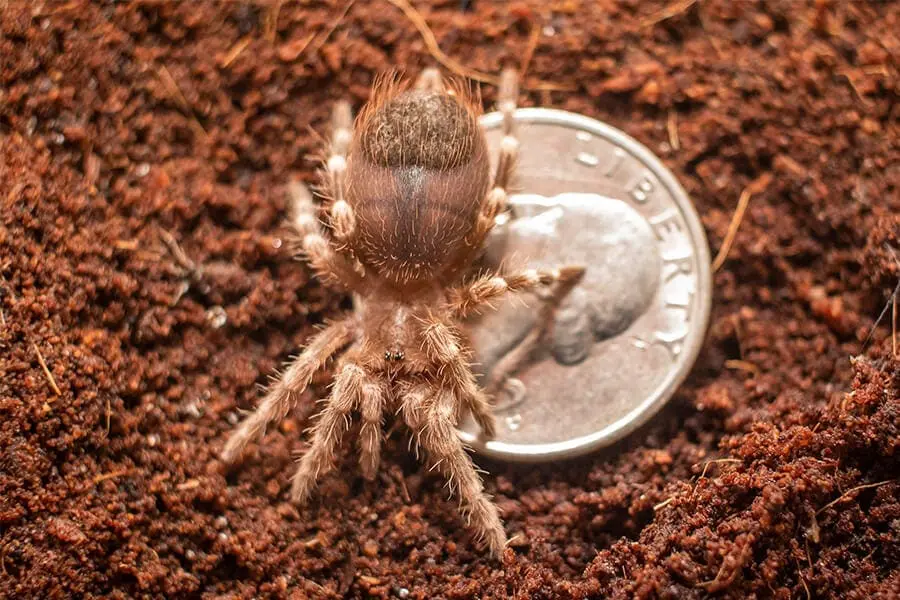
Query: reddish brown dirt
point(748, 484)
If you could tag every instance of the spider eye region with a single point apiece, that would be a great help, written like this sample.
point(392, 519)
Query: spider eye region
point(394, 355)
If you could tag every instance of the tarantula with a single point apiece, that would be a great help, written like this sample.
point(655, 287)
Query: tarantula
point(410, 201)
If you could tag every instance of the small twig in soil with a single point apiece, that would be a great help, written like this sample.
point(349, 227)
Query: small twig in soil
point(178, 254)
point(330, 30)
point(3, 290)
point(672, 10)
point(90, 164)
point(452, 64)
point(803, 581)
point(349, 573)
point(271, 21)
point(672, 128)
point(706, 468)
point(892, 301)
point(741, 365)
point(3, 558)
point(195, 275)
point(434, 49)
point(847, 74)
point(397, 472)
point(126, 244)
point(894, 312)
point(47, 372)
point(715, 461)
point(852, 491)
point(113, 475)
point(894, 328)
point(236, 50)
point(58, 9)
point(755, 187)
point(663, 504)
point(190, 484)
point(175, 92)
point(534, 36)
point(194, 271)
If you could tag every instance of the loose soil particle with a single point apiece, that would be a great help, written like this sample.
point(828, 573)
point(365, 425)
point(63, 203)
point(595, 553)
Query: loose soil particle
point(772, 473)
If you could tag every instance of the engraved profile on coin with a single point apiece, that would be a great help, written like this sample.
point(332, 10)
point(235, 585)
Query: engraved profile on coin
point(575, 229)
point(626, 336)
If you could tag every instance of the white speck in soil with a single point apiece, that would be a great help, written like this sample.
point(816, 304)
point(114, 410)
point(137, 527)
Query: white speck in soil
point(216, 317)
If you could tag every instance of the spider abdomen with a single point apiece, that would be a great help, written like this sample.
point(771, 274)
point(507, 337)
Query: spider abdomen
point(417, 172)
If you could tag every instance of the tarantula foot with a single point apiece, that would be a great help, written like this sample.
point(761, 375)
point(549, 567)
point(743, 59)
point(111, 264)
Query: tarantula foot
point(496, 543)
point(369, 472)
point(571, 274)
point(302, 486)
point(301, 496)
point(492, 535)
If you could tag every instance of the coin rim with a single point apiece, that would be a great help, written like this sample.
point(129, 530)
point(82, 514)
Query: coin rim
point(651, 405)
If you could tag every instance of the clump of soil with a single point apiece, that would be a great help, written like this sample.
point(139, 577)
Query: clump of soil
point(773, 472)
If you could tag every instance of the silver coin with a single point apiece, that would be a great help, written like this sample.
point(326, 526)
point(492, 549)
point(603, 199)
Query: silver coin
point(626, 337)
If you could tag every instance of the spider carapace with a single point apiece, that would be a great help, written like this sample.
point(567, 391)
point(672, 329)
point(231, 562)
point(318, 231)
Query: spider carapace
point(410, 199)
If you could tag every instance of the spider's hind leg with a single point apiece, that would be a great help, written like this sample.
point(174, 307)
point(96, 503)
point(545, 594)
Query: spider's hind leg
point(331, 266)
point(340, 213)
point(495, 202)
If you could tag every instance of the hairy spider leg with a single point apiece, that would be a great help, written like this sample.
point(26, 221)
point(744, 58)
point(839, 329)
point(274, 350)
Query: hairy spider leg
point(495, 201)
point(332, 422)
point(430, 411)
point(340, 213)
point(283, 395)
point(374, 395)
point(444, 345)
point(330, 266)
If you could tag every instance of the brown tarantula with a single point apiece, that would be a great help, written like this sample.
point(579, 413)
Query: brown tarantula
point(410, 203)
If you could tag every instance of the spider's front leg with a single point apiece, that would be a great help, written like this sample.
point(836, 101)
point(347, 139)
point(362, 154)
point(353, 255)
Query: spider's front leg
point(468, 298)
point(557, 282)
point(445, 346)
point(431, 412)
point(354, 388)
point(283, 395)
point(373, 397)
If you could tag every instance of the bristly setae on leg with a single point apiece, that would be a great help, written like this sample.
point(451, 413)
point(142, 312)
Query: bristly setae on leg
point(409, 200)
